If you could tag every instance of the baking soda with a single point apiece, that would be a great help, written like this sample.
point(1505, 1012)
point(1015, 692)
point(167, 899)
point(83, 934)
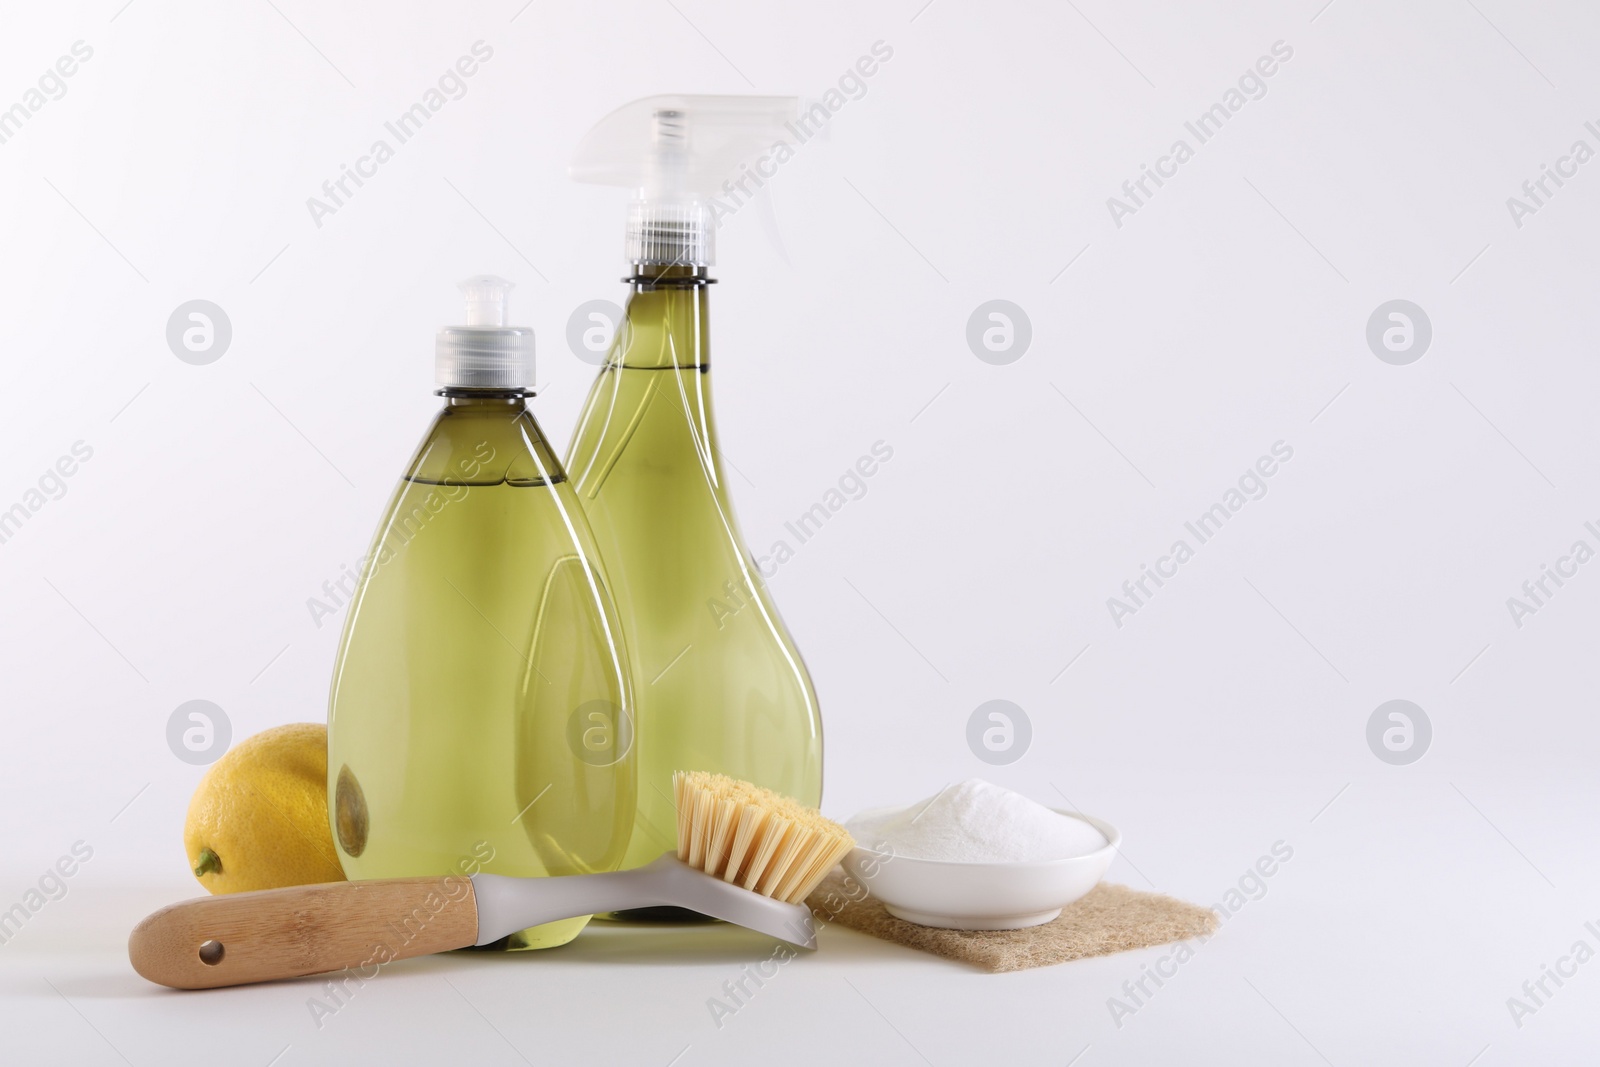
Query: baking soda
point(977, 822)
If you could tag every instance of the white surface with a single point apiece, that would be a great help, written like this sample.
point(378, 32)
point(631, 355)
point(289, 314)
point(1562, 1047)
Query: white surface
point(978, 895)
point(1227, 314)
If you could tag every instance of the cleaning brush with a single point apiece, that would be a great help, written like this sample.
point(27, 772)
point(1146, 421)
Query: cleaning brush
point(755, 838)
point(745, 854)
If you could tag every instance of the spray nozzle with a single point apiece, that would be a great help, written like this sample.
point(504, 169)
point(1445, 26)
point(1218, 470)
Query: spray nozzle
point(690, 160)
point(485, 353)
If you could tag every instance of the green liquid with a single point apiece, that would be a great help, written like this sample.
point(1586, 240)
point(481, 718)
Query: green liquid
point(474, 721)
point(719, 684)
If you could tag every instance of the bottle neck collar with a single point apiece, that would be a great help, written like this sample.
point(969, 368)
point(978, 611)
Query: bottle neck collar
point(509, 401)
point(650, 276)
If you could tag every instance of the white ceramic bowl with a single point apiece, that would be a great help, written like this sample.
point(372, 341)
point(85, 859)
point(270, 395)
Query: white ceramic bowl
point(981, 896)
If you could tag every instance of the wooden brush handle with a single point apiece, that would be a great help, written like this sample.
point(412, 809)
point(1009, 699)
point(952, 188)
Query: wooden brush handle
point(284, 933)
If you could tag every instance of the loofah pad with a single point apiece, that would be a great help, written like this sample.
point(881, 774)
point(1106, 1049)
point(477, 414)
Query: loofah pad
point(1111, 918)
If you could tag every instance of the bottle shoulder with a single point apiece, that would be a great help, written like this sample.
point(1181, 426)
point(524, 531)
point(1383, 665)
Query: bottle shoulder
point(471, 446)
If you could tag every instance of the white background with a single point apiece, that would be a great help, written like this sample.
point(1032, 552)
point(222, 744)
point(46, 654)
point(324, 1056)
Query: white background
point(1227, 314)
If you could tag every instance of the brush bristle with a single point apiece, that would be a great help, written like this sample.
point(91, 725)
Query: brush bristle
point(754, 838)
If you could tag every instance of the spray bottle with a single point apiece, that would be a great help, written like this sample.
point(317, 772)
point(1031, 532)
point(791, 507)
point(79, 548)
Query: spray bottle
point(721, 686)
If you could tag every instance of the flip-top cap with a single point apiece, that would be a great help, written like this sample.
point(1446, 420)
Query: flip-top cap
point(484, 353)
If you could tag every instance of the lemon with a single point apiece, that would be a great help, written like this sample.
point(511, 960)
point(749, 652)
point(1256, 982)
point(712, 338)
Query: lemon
point(259, 818)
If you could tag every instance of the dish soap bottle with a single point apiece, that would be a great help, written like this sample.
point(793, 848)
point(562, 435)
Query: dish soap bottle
point(481, 710)
point(721, 686)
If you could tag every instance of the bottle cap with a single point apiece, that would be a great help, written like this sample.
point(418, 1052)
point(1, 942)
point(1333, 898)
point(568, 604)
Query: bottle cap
point(485, 353)
point(686, 158)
